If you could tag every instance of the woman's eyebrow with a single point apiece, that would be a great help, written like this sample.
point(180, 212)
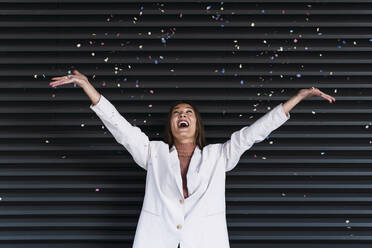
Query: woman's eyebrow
point(185, 108)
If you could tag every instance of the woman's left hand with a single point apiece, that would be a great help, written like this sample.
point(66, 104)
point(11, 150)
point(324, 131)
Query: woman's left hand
point(302, 94)
point(305, 93)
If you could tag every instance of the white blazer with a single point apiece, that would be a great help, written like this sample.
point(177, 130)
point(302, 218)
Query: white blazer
point(167, 218)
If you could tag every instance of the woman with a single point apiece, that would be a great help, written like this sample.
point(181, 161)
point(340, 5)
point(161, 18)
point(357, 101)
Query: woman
point(184, 202)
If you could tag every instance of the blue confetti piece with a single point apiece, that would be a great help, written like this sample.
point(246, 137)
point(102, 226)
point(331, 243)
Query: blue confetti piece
point(343, 42)
point(223, 70)
point(338, 46)
point(263, 11)
point(209, 7)
point(271, 72)
point(241, 81)
point(222, 25)
point(370, 39)
point(156, 61)
point(298, 75)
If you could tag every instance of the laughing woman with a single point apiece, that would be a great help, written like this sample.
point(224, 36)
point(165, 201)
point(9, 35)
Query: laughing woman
point(184, 202)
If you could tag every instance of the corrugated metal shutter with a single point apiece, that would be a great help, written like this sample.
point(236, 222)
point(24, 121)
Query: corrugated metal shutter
point(65, 182)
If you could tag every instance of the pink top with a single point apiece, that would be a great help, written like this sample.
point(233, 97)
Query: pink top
point(185, 151)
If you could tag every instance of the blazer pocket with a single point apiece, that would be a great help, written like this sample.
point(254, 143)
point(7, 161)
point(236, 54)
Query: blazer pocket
point(150, 212)
point(215, 212)
point(213, 209)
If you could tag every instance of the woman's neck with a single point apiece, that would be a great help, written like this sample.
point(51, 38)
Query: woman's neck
point(185, 149)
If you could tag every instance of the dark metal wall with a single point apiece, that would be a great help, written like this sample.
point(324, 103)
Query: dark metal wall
point(65, 182)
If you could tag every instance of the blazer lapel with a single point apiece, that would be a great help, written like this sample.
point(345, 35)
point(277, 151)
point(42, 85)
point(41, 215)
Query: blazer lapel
point(176, 167)
point(193, 176)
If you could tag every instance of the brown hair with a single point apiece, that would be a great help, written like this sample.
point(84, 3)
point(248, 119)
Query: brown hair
point(199, 134)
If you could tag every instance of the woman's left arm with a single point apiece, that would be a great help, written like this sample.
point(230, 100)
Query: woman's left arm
point(302, 94)
point(244, 138)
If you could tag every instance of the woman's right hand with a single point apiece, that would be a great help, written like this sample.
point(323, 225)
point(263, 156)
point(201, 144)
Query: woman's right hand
point(77, 78)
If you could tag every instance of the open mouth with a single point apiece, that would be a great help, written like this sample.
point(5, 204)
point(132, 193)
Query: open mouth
point(183, 124)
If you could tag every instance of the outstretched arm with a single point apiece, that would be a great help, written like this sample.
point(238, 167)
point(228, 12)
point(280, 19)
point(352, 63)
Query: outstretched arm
point(302, 94)
point(131, 137)
point(244, 138)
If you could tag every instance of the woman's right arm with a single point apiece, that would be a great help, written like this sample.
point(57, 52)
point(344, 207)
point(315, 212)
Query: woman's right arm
point(92, 93)
point(131, 137)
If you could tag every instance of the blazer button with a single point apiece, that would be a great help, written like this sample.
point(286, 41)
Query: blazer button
point(179, 226)
point(182, 201)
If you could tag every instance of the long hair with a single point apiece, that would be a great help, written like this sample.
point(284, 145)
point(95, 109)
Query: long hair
point(199, 135)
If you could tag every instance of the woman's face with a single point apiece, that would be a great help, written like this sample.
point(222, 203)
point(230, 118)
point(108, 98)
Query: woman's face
point(183, 112)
